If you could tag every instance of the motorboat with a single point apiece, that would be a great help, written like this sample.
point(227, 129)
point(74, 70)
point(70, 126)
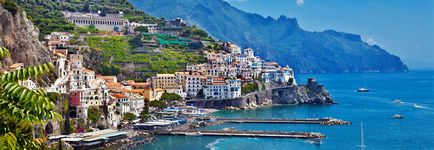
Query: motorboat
point(397, 116)
point(363, 90)
point(397, 101)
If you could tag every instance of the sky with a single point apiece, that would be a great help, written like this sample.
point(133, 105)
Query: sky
point(403, 27)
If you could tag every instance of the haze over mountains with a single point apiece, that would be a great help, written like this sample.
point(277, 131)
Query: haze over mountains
point(281, 39)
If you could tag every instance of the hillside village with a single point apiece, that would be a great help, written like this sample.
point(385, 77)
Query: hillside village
point(105, 98)
point(222, 77)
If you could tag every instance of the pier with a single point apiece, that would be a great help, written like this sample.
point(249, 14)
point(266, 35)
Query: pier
point(245, 133)
point(323, 121)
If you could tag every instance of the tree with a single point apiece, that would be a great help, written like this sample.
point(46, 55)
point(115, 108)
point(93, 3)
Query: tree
point(68, 128)
point(158, 104)
point(170, 97)
point(24, 105)
point(142, 29)
point(130, 117)
point(144, 116)
point(93, 115)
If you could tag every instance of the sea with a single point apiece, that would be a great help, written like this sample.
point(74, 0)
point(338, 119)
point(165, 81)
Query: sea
point(374, 109)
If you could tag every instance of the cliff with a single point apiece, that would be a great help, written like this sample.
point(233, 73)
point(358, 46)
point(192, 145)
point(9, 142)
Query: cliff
point(20, 36)
point(311, 93)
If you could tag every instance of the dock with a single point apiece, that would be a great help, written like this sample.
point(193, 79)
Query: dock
point(245, 133)
point(323, 121)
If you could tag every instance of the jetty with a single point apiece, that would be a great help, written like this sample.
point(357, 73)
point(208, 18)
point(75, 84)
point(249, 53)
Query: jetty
point(323, 121)
point(244, 133)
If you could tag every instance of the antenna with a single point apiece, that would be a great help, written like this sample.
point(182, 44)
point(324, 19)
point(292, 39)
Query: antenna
point(362, 141)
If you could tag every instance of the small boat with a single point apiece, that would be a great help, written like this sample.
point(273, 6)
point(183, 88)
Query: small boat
point(193, 134)
point(363, 90)
point(397, 116)
point(316, 141)
point(229, 129)
point(397, 101)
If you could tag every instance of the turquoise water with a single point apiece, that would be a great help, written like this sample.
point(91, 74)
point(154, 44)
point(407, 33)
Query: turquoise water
point(374, 109)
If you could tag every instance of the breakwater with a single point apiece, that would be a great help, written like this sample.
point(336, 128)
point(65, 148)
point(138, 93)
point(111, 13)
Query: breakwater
point(245, 133)
point(323, 121)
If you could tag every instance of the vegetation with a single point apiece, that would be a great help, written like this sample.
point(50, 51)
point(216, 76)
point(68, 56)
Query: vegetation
point(21, 107)
point(10, 5)
point(142, 29)
point(93, 115)
point(195, 32)
point(144, 116)
point(118, 50)
point(249, 87)
point(47, 14)
point(158, 104)
point(109, 69)
point(170, 97)
point(130, 117)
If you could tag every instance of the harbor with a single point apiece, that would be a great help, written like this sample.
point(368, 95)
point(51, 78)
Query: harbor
point(245, 133)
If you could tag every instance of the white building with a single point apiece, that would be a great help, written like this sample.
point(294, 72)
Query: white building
point(193, 85)
point(219, 88)
point(110, 22)
point(152, 28)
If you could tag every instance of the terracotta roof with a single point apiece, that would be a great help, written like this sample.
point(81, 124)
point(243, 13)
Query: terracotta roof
point(120, 96)
point(87, 70)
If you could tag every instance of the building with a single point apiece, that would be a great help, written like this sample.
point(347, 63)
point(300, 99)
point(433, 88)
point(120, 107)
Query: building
point(110, 22)
point(219, 88)
point(123, 103)
point(193, 85)
point(152, 28)
point(84, 89)
point(167, 83)
point(58, 40)
point(231, 48)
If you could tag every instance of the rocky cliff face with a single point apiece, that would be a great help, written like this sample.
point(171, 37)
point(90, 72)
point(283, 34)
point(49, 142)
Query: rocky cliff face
point(20, 36)
point(305, 94)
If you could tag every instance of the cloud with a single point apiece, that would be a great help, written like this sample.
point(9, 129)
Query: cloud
point(299, 2)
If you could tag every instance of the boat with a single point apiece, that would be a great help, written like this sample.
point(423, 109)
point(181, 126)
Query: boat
point(397, 116)
point(397, 101)
point(316, 141)
point(229, 129)
point(363, 90)
point(362, 140)
point(193, 134)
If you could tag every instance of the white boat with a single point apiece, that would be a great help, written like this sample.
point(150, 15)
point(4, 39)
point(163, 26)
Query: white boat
point(397, 101)
point(397, 116)
point(194, 134)
point(363, 90)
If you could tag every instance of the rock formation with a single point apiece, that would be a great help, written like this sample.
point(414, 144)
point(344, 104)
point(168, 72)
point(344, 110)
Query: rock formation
point(20, 36)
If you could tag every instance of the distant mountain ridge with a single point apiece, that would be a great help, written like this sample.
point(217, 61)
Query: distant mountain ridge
point(281, 39)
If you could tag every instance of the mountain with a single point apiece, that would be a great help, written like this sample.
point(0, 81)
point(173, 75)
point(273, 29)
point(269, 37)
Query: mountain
point(20, 36)
point(281, 39)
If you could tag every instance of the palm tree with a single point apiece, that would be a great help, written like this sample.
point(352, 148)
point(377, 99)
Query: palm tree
point(23, 105)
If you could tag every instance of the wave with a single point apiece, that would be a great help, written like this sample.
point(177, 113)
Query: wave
point(212, 145)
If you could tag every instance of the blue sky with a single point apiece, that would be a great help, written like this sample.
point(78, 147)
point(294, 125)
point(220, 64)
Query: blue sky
point(402, 27)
